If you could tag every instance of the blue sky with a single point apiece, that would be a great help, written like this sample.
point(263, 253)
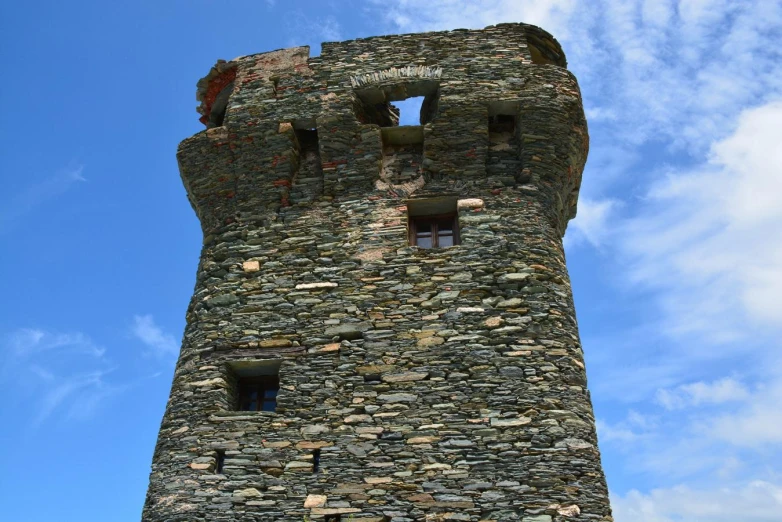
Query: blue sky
point(675, 256)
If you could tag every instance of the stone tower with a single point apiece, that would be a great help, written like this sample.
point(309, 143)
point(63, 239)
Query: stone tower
point(382, 327)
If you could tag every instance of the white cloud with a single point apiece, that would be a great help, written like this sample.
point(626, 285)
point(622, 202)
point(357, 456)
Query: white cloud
point(415, 16)
point(592, 222)
point(161, 344)
point(77, 396)
point(27, 342)
point(708, 239)
point(756, 501)
point(697, 393)
point(757, 424)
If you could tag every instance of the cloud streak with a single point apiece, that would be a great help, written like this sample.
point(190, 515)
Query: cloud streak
point(64, 371)
point(159, 343)
point(36, 195)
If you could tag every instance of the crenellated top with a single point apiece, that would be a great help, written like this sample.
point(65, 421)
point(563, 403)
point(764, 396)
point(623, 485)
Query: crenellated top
point(500, 110)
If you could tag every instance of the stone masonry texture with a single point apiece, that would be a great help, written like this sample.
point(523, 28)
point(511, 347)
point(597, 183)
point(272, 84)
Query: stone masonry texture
point(442, 384)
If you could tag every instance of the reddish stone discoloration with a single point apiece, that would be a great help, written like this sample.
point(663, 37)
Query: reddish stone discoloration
point(216, 85)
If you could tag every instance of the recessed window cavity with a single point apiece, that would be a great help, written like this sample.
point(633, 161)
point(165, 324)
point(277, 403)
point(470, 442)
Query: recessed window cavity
point(403, 153)
point(308, 181)
point(417, 100)
point(257, 385)
point(433, 223)
point(503, 158)
point(220, 105)
point(316, 461)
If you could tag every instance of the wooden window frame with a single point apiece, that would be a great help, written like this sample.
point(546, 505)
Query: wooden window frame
point(259, 384)
point(414, 221)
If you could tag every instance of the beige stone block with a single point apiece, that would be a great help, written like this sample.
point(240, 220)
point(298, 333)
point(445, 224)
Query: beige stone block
point(378, 480)
point(312, 444)
point(422, 440)
point(313, 501)
point(249, 492)
point(505, 423)
point(275, 343)
point(569, 511)
point(493, 322)
point(315, 286)
point(218, 381)
point(404, 377)
point(326, 348)
point(355, 419)
point(251, 266)
point(469, 204)
point(276, 444)
point(430, 341)
point(436, 466)
point(334, 511)
point(372, 369)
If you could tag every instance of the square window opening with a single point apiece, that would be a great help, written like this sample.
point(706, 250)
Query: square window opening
point(433, 223)
point(257, 385)
point(415, 103)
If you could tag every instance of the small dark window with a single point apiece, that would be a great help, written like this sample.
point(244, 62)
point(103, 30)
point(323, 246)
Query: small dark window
point(220, 461)
point(258, 393)
point(434, 231)
point(502, 123)
point(316, 461)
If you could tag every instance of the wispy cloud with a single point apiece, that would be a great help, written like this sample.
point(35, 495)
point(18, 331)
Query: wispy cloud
point(708, 238)
point(36, 195)
point(593, 222)
point(755, 501)
point(672, 69)
point(64, 371)
point(697, 393)
point(307, 30)
point(160, 344)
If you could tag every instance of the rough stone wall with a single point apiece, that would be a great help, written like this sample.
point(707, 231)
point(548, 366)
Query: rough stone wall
point(436, 384)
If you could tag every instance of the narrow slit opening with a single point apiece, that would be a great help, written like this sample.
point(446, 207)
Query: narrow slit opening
point(316, 461)
point(220, 464)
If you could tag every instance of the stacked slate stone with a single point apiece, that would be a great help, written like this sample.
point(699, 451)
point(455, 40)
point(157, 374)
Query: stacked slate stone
point(442, 384)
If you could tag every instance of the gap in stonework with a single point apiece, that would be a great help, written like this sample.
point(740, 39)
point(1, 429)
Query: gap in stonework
point(410, 110)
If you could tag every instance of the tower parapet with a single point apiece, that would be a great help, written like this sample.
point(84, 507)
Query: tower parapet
point(382, 326)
